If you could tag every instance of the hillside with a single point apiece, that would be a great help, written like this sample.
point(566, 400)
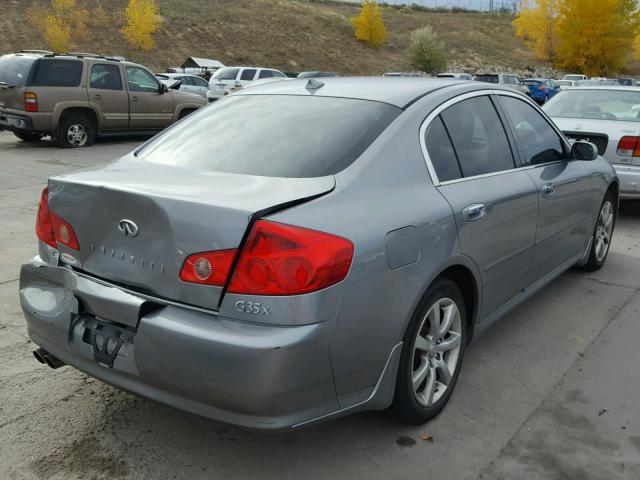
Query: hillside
point(291, 35)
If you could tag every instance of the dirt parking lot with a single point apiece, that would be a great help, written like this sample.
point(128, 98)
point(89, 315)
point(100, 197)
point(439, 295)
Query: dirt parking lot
point(551, 392)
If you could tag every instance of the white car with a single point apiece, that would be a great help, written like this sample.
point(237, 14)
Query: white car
point(459, 76)
point(575, 77)
point(564, 84)
point(188, 83)
point(609, 117)
point(228, 78)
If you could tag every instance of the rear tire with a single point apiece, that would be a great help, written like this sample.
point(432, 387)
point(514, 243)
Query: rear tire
point(432, 354)
point(75, 131)
point(601, 239)
point(29, 137)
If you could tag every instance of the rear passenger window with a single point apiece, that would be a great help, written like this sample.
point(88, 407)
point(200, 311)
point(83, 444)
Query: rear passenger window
point(443, 157)
point(248, 74)
point(106, 77)
point(478, 137)
point(57, 73)
point(265, 74)
point(538, 140)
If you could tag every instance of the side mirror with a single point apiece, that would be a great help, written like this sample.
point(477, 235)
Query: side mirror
point(163, 88)
point(581, 150)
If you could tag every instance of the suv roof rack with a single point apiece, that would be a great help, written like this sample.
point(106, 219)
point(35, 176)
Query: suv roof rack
point(85, 55)
point(36, 51)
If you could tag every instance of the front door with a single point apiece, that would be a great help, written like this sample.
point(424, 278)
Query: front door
point(495, 204)
point(564, 188)
point(149, 106)
point(108, 96)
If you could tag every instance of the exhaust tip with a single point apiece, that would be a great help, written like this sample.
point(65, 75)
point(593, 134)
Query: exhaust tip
point(39, 355)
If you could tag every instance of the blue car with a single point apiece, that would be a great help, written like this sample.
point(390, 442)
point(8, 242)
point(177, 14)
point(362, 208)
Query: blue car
point(542, 89)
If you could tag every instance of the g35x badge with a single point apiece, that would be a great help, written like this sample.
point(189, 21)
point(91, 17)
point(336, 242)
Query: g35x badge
point(254, 308)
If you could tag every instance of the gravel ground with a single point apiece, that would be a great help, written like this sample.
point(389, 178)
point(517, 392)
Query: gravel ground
point(551, 392)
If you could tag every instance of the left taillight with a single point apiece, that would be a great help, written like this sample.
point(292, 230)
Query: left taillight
point(52, 229)
point(30, 102)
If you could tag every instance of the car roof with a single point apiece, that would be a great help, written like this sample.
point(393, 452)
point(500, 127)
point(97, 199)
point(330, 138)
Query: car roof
point(398, 91)
point(629, 88)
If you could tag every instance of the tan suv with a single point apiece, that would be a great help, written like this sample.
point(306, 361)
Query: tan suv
point(75, 97)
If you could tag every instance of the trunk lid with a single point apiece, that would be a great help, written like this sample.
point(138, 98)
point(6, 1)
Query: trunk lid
point(605, 134)
point(176, 211)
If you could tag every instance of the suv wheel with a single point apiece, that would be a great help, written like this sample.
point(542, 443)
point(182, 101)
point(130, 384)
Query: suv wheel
point(432, 354)
point(75, 131)
point(28, 136)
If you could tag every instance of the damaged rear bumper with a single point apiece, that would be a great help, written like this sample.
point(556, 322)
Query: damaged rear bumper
point(252, 375)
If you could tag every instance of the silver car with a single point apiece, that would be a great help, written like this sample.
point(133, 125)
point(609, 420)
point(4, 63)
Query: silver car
point(609, 117)
point(185, 83)
point(333, 248)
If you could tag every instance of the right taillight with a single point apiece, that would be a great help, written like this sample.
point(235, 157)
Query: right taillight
point(30, 102)
point(52, 229)
point(629, 147)
point(280, 259)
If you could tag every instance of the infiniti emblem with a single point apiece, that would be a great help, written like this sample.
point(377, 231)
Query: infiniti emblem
point(128, 228)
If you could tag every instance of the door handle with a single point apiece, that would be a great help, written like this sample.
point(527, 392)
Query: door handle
point(548, 189)
point(474, 212)
point(97, 96)
point(134, 99)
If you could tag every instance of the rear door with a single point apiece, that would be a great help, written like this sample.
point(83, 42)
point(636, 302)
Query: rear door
point(108, 96)
point(564, 187)
point(149, 107)
point(494, 203)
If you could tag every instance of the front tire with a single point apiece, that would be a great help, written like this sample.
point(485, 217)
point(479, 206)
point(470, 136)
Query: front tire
point(75, 131)
point(432, 354)
point(601, 240)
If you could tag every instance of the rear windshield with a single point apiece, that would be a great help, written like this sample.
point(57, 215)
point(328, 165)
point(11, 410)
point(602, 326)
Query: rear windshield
point(596, 104)
point(274, 135)
point(226, 74)
point(531, 83)
point(57, 73)
point(14, 69)
point(486, 78)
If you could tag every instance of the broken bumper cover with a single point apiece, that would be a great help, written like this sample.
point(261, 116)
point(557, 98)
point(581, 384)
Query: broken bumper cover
point(15, 123)
point(251, 375)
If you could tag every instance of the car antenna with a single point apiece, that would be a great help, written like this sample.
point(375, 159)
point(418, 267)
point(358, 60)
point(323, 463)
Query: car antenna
point(314, 84)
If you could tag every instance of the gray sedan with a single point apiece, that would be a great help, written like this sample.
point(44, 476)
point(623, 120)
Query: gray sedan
point(333, 248)
point(609, 117)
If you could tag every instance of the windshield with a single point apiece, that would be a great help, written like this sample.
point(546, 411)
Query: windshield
point(486, 78)
point(14, 69)
point(565, 83)
point(273, 135)
point(595, 104)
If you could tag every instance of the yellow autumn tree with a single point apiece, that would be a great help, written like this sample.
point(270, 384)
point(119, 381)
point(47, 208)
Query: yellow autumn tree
point(596, 37)
point(61, 22)
point(141, 22)
point(536, 23)
point(369, 25)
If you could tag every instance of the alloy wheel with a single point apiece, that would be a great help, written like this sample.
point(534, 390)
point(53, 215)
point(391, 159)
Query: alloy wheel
point(604, 228)
point(436, 351)
point(77, 135)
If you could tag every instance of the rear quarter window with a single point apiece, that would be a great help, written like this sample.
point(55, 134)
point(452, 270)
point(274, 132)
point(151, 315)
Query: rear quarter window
point(57, 73)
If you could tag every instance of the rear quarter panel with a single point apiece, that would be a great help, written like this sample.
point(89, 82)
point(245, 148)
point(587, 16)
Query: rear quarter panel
point(386, 189)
